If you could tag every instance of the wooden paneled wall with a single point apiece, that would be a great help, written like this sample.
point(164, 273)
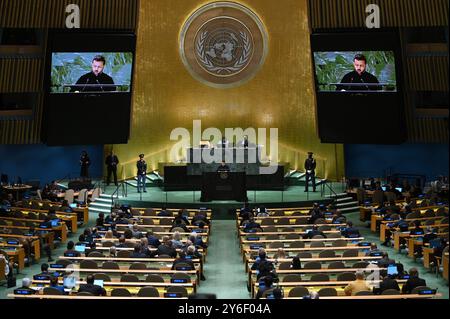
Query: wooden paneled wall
point(108, 14)
point(21, 75)
point(427, 73)
point(393, 13)
point(25, 74)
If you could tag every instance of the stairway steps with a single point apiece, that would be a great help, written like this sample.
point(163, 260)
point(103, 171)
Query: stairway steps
point(100, 205)
point(99, 210)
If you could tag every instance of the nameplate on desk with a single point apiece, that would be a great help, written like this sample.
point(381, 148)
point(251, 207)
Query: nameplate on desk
point(363, 244)
point(13, 242)
point(23, 292)
point(172, 295)
point(253, 238)
point(58, 266)
point(41, 277)
point(427, 292)
point(255, 246)
point(178, 281)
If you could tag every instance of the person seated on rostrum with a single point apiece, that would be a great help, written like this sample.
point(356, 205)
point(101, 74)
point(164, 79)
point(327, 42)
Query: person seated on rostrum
point(413, 281)
point(358, 285)
point(350, 231)
point(165, 249)
point(89, 287)
point(387, 282)
point(71, 252)
point(314, 232)
point(26, 284)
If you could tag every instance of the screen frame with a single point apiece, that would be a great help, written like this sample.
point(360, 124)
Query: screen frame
point(331, 124)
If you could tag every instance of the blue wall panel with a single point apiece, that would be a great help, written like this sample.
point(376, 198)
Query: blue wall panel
point(430, 160)
point(40, 162)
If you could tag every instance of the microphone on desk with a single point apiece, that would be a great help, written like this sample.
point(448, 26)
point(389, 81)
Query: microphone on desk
point(96, 80)
point(84, 88)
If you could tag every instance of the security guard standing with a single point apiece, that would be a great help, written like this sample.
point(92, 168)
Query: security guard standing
point(111, 164)
point(141, 173)
point(310, 167)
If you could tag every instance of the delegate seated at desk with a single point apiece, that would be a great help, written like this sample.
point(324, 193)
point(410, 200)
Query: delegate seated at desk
point(223, 168)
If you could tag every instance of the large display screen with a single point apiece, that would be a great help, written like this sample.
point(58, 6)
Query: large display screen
point(89, 87)
point(77, 72)
point(358, 84)
point(364, 71)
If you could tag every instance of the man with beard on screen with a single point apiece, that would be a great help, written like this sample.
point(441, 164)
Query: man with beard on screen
point(92, 81)
point(359, 76)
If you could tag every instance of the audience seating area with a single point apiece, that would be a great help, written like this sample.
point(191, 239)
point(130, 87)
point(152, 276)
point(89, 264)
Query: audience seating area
point(129, 263)
point(326, 265)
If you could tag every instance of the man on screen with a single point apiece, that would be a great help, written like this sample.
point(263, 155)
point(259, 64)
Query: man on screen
point(92, 81)
point(359, 77)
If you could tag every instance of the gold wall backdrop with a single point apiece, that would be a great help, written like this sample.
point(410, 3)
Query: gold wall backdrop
point(281, 95)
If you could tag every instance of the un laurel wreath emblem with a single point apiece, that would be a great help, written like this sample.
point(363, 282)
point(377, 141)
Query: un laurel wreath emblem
point(223, 44)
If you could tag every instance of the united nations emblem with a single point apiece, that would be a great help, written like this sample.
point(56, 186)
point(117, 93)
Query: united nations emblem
point(223, 44)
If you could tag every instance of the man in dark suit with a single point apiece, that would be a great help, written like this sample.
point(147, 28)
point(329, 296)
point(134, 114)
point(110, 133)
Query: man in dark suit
point(386, 283)
point(359, 77)
point(91, 82)
point(71, 252)
point(184, 260)
point(310, 168)
point(350, 231)
point(223, 167)
point(413, 281)
point(111, 165)
point(91, 288)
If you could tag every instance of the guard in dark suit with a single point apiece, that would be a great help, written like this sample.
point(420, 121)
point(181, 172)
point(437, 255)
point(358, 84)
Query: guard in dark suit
point(141, 166)
point(85, 162)
point(111, 164)
point(310, 167)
